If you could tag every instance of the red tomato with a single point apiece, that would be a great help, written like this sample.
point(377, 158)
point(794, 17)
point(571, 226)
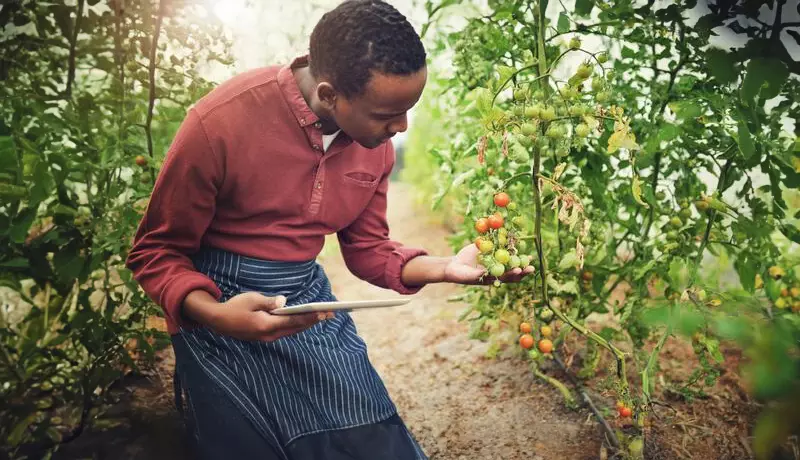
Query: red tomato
point(502, 199)
point(495, 221)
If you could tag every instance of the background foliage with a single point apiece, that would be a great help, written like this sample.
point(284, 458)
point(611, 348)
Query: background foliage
point(92, 92)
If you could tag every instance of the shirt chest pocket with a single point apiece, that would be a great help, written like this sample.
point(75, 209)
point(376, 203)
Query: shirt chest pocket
point(361, 178)
point(354, 191)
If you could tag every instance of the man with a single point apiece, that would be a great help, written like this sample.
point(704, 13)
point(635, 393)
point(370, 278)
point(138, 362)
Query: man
point(262, 168)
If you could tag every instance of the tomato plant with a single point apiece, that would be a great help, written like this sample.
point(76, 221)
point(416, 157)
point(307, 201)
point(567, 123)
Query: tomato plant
point(92, 93)
point(637, 156)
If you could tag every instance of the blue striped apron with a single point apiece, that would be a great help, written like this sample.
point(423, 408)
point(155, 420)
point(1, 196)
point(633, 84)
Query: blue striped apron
point(312, 382)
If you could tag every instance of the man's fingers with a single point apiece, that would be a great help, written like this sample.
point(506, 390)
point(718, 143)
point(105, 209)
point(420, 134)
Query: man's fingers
point(261, 302)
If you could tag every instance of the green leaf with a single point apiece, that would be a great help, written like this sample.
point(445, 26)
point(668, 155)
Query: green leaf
point(746, 145)
point(563, 23)
point(668, 132)
point(20, 227)
point(686, 109)
point(643, 270)
point(570, 260)
point(764, 76)
point(505, 72)
point(747, 269)
point(688, 320)
point(733, 328)
point(722, 65)
point(17, 262)
point(678, 275)
point(584, 7)
point(483, 100)
point(18, 433)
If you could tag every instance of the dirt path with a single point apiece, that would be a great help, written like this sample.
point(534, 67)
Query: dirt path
point(459, 404)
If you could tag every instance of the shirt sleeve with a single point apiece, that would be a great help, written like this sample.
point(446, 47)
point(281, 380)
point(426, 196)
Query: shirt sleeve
point(366, 248)
point(181, 207)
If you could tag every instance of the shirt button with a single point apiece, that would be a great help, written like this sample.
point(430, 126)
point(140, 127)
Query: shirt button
point(319, 184)
point(302, 121)
point(318, 125)
point(316, 147)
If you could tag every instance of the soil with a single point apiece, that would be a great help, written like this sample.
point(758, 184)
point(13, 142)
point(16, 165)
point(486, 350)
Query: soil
point(459, 404)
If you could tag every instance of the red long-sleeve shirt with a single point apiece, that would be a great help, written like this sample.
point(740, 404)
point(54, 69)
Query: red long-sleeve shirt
point(246, 173)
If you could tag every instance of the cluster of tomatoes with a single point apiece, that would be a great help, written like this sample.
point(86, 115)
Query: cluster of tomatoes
point(783, 290)
point(527, 341)
point(498, 241)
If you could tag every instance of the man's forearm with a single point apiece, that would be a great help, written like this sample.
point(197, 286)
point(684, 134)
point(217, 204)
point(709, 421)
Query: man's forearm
point(422, 270)
point(200, 306)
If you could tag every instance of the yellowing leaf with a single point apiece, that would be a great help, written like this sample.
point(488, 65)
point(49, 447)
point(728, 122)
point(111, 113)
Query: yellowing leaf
point(559, 171)
point(622, 139)
point(636, 188)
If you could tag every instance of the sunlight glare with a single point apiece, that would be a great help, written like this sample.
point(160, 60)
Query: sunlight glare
point(229, 11)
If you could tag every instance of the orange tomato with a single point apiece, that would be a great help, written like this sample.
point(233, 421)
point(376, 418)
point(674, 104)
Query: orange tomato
point(525, 328)
point(482, 225)
point(545, 346)
point(526, 341)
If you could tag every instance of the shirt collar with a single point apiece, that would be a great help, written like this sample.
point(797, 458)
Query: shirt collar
point(291, 91)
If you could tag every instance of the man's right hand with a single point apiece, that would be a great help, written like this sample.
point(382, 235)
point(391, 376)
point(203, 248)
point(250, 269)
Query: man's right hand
point(246, 316)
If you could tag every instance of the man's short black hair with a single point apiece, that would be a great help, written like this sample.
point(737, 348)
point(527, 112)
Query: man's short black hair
point(361, 36)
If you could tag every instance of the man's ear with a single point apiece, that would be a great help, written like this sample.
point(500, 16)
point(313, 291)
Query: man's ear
point(327, 95)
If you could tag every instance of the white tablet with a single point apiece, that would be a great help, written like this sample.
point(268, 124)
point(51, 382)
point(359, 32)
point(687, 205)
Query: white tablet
point(341, 305)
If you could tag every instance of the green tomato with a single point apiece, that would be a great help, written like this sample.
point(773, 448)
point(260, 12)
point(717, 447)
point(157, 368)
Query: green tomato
point(602, 58)
point(512, 206)
point(602, 96)
point(685, 213)
point(502, 240)
point(520, 94)
point(519, 221)
point(533, 354)
point(502, 256)
point(522, 245)
point(519, 111)
point(486, 246)
point(538, 95)
point(575, 110)
point(660, 196)
point(575, 43)
point(528, 129)
point(555, 131)
point(598, 84)
point(514, 262)
point(562, 151)
point(497, 270)
point(584, 71)
point(546, 315)
point(502, 231)
point(676, 222)
point(533, 111)
point(548, 113)
point(582, 130)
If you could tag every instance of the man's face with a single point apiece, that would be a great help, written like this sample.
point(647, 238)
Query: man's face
point(379, 112)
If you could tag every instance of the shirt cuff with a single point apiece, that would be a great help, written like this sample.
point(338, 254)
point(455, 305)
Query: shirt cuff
point(394, 269)
point(176, 292)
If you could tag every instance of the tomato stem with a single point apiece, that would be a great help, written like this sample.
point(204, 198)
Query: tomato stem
point(568, 397)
